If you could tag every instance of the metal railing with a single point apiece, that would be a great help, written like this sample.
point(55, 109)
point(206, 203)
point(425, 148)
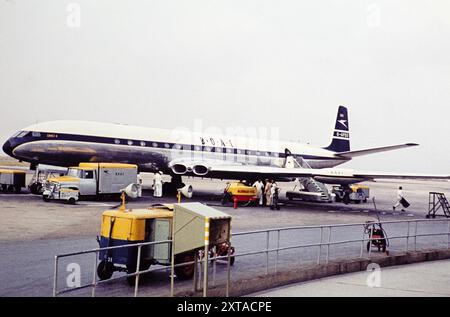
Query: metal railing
point(324, 233)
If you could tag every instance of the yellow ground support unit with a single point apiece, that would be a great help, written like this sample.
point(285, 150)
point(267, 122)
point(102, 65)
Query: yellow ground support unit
point(131, 227)
point(356, 193)
point(359, 193)
point(239, 192)
point(158, 223)
point(12, 180)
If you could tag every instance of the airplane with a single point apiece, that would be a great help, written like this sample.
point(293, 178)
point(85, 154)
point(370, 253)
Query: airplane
point(182, 153)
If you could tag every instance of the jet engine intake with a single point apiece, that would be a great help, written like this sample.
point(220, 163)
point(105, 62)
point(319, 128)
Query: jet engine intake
point(179, 169)
point(200, 170)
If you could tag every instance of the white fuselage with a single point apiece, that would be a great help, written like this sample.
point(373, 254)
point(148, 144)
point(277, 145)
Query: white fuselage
point(65, 143)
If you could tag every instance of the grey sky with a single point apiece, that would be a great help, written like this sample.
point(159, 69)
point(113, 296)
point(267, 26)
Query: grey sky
point(238, 63)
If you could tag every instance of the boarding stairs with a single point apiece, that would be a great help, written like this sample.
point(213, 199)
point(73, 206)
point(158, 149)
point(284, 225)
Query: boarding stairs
point(312, 189)
point(436, 202)
point(312, 186)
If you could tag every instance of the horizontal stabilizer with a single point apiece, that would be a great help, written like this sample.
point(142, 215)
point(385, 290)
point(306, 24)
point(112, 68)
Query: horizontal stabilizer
point(351, 154)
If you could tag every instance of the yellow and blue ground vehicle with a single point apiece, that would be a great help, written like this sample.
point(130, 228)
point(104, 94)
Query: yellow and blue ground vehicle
point(356, 193)
point(131, 227)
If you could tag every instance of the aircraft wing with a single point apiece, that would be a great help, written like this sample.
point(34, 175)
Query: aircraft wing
point(231, 170)
point(325, 175)
point(387, 175)
point(351, 154)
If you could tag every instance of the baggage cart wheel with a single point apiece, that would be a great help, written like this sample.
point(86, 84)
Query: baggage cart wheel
point(105, 270)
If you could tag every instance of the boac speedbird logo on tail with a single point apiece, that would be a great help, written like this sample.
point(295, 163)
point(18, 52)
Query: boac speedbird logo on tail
point(342, 121)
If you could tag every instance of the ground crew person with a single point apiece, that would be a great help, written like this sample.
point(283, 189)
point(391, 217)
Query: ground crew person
point(139, 177)
point(157, 184)
point(267, 192)
point(259, 191)
point(274, 196)
point(400, 199)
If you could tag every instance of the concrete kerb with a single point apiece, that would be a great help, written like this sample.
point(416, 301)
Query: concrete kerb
point(262, 282)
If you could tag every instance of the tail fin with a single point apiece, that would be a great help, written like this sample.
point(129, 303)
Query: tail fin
point(341, 136)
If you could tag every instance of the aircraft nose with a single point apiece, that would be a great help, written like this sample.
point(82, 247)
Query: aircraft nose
point(7, 148)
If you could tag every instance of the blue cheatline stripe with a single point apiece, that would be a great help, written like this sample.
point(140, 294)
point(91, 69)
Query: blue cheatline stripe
point(45, 136)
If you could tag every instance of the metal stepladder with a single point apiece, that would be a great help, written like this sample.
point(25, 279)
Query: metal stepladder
point(437, 201)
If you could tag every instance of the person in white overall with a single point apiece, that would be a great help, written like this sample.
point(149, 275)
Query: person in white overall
point(399, 198)
point(259, 191)
point(157, 185)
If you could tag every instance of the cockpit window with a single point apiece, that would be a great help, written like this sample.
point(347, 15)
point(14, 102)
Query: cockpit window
point(36, 134)
point(22, 134)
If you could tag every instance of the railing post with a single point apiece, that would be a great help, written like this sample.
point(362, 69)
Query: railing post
point(172, 271)
point(267, 252)
point(415, 236)
point(214, 268)
point(55, 277)
point(448, 234)
point(205, 272)
point(227, 291)
point(195, 270)
point(138, 269)
point(200, 271)
point(319, 251)
point(363, 240)
point(328, 245)
point(94, 276)
point(278, 246)
point(407, 238)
